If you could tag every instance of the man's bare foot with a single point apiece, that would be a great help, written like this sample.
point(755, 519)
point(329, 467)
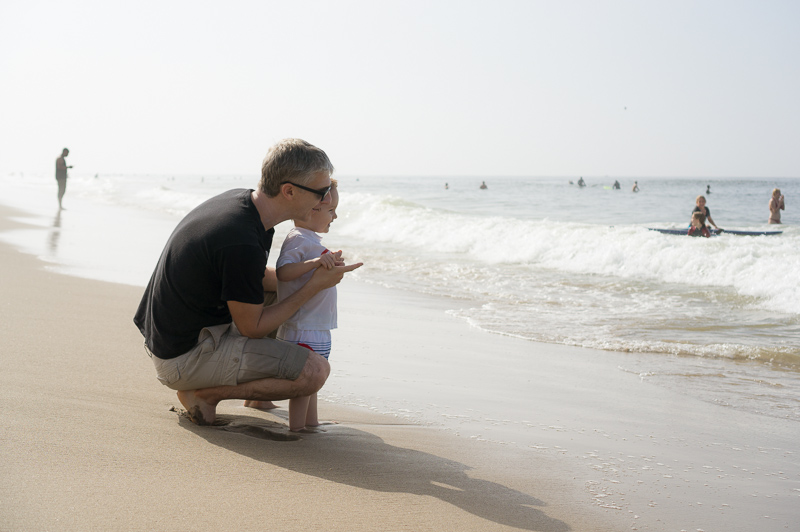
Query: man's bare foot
point(260, 405)
point(199, 411)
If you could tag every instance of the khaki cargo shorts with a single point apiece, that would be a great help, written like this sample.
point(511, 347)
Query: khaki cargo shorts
point(223, 357)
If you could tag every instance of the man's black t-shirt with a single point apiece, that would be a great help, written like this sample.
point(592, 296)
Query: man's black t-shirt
point(218, 253)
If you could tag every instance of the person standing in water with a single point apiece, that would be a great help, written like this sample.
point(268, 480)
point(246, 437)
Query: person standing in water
point(635, 187)
point(776, 205)
point(61, 175)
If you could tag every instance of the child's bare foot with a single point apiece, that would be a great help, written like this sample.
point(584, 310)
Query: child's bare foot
point(319, 423)
point(199, 411)
point(260, 405)
point(308, 430)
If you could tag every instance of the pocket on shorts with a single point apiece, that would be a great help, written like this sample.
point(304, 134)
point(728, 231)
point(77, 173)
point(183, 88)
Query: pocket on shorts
point(209, 337)
point(168, 373)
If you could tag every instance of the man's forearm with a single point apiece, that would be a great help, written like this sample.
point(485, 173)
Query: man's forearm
point(256, 321)
point(274, 315)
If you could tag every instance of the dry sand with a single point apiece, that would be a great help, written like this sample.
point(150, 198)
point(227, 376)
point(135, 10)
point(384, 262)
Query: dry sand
point(89, 442)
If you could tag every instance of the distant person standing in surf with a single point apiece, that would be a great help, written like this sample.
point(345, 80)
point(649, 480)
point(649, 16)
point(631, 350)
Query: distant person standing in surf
point(776, 205)
point(61, 175)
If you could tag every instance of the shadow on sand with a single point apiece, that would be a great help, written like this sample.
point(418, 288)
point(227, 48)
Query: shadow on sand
point(342, 451)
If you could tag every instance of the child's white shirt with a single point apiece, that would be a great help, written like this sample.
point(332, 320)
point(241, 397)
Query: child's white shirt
point(319, 312)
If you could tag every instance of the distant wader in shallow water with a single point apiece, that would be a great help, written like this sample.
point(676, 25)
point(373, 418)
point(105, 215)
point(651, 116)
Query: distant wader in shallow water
point(776, 205)
point(61, 175)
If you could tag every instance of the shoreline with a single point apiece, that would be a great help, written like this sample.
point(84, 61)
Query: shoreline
point(571, 442)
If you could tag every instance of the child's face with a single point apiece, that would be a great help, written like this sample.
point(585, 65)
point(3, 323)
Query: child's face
point(323, 215)
point(696, 222)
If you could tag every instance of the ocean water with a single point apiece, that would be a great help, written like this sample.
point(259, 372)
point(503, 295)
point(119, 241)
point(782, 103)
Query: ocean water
point(534, 258)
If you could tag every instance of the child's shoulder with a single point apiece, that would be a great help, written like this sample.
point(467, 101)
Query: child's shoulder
point(299, 232)
point(298, 237)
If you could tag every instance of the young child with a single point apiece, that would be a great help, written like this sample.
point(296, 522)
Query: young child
point(301, 253)
point(698, 227)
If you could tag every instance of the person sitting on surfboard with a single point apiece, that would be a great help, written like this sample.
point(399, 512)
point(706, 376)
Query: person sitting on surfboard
point(698, 227)
point(700, 203)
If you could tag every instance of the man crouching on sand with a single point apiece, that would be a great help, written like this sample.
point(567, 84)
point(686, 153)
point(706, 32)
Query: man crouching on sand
point(202, 314)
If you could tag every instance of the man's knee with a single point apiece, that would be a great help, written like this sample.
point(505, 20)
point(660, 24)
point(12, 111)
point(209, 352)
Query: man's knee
point(315, 373)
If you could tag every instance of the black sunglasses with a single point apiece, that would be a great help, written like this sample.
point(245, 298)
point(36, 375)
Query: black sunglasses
point(322, 192)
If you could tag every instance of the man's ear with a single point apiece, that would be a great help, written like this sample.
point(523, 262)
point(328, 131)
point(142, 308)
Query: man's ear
point(287, 191)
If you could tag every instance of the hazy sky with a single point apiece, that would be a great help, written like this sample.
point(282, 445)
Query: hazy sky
point(558, 88)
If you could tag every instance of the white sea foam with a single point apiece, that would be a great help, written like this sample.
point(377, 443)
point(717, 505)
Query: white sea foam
point(766, 269)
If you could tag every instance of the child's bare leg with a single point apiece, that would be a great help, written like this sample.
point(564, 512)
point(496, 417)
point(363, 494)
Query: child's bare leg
point(312, 419)
point(298, 407)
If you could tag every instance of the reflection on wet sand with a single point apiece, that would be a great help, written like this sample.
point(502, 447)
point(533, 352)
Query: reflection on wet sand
point(55, 234)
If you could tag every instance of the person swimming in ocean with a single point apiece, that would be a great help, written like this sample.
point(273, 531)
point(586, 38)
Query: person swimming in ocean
point(698, 227)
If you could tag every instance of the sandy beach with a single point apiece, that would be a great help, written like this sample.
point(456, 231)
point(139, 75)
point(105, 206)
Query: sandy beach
point(92, 441)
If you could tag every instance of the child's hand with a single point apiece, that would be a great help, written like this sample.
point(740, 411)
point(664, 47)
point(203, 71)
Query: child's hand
point(327, 261)
point(338, 257)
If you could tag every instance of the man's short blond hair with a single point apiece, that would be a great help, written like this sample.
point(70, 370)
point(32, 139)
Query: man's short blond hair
point(292, 160)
